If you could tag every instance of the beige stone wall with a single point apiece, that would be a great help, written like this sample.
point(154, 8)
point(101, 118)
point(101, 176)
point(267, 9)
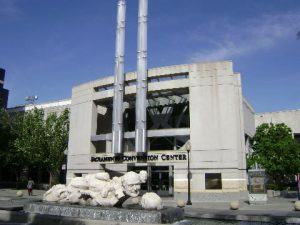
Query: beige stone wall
point(216, 124)
point(289, 117)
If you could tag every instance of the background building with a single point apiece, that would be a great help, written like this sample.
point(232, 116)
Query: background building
point(3, 92)
point(48, 107)
point(290, 117)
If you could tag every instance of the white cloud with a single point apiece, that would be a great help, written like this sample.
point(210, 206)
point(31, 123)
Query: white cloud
point(247, 37)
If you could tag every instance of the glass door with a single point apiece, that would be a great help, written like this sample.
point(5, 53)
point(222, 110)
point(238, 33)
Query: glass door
point(160, 182)
point(160, 179)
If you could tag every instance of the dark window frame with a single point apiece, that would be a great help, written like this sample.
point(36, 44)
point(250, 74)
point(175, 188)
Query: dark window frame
point(213, 181)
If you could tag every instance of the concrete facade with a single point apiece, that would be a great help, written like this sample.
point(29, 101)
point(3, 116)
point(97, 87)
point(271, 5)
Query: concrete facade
point(290, 117)
point(49, 107)
point(218, 119)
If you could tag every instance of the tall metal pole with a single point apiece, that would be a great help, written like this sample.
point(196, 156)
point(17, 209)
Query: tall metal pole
point(189, 202)
point(117, 126)
point(141, 92)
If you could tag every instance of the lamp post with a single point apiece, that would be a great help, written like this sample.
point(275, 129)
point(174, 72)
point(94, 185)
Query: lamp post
point(31, 99)
point(188, 149)
point(64, 166)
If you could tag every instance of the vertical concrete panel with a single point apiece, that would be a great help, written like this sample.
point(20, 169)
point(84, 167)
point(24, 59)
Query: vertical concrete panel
point(214, 114)
point(240, 127)
point(94, 119)
point(82, 122)
point(228, 117)
point(249, 119)
point(203, 121)
point(216, 127)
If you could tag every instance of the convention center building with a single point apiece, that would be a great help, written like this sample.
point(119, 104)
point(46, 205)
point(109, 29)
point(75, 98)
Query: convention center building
point(196, 114)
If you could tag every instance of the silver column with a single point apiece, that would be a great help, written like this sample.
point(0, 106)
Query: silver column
point(141, 92)
point(117, 126)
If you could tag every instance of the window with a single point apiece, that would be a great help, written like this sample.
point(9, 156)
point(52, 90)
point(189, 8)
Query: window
point(100, 146)
point(168, 77)
point(104, 87)
point(213, 181)
point(297, 137)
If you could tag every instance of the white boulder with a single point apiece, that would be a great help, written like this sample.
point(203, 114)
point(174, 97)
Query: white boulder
point(234, 205)
point(297, 205)
point(19, 193)
point(151, 200)
point(180, 203)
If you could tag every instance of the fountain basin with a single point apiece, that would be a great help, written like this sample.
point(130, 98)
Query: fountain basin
point(166, 215)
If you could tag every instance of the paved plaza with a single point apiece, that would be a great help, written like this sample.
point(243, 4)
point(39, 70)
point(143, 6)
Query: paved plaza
point(276, 209)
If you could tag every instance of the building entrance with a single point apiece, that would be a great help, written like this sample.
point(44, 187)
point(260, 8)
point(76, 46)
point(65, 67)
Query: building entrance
point(160, 179)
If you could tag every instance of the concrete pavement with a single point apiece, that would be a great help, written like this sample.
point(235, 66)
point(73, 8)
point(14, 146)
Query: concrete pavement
point(273, 204)
point(10, 201)
point(277, 210)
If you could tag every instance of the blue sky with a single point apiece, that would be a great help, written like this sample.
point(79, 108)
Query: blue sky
point(49, 46)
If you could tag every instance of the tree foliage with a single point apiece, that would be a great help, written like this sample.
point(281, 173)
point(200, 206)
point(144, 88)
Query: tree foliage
point(56, 137)
point(30, 131)
point(5, 130)
point(276, 150)
point(42, 140)
point(10, 157)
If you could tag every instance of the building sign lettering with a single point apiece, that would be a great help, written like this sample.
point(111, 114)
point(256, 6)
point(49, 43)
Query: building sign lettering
point(151, 157)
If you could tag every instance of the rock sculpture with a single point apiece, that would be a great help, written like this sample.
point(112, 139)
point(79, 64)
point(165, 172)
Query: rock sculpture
point(56, 193)
point(97, 189)
point(151, 201)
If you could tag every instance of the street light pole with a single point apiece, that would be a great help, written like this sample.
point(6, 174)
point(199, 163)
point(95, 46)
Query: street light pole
point(31, 99)
point(189, 179)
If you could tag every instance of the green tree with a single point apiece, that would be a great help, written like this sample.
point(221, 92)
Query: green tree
point(9, 155)
point(276, 150)
point(56, 136)
point(30, 140)
point(42, 141)
point(15, 159)
point(5, 130)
